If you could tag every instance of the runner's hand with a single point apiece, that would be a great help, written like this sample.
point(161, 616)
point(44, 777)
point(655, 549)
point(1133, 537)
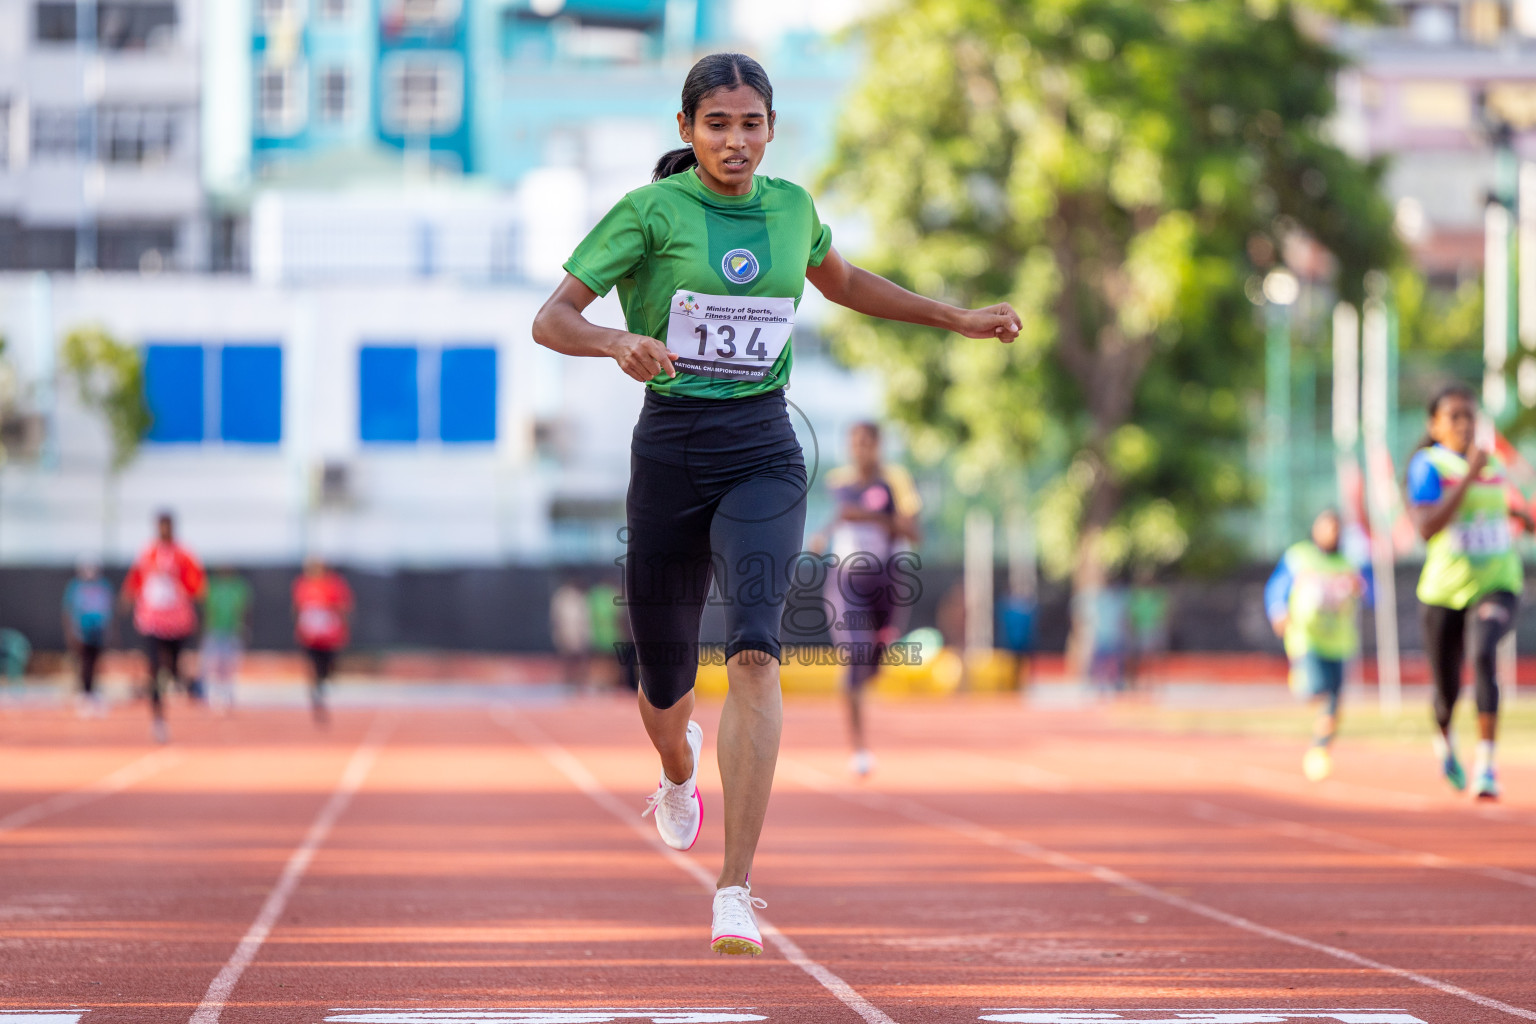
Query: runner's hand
point(1477, 460)
point(643, 358)
point(999, 321)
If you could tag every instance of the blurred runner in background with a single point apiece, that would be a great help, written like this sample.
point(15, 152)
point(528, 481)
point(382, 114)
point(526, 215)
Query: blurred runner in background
point(322, 610)
point(87, 629)
point(1147, 614)
point(226, 630)
point(570, 625)
point(1313, 601)
point(874, 519)
point(1458, 497)
point(603, 615)
point(162, 588)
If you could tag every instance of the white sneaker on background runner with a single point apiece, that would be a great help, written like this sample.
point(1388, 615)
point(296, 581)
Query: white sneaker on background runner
point(735, 930)
point(677, 806)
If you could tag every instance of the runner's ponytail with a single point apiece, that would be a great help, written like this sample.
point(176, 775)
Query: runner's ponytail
point(673, 161)
point(715, 71)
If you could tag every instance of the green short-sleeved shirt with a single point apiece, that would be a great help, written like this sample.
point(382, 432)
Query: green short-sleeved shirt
point(676, 235)
point(225, 603)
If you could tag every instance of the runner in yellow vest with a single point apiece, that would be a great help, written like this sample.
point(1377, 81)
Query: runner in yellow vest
point(1458, 498)
point(1313, 601)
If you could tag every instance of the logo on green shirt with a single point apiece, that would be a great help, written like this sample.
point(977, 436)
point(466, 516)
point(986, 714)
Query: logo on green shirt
point(739, 265)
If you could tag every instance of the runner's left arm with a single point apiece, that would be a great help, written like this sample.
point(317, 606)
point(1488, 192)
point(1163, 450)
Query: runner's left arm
point(859, 290)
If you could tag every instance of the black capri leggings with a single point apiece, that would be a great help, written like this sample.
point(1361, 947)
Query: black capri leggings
point(1446, 631)
point(716, 511)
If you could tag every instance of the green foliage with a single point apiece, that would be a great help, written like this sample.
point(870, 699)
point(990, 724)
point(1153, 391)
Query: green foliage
point(1118, 170)
point(109, 377)
point(1438, 321)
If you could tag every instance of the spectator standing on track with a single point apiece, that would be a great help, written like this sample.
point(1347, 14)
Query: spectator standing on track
point(603, 614)
point(710, 261)
point(1458, 498)
point(322, 613)
point(570, 625)
point(226, 630)
point(1313, 601)
point(88, 601)
point(873, 523)
point(162, 587)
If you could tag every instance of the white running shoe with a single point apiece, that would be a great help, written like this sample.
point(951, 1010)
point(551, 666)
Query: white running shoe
point(678, 807)
point(735, 931)
point(861, 763)
point(159, 731)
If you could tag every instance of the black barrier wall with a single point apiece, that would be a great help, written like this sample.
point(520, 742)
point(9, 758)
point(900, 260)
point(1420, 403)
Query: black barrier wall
point(506, 609)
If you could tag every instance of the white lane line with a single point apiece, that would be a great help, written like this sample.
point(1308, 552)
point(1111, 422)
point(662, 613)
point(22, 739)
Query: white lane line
point(41, 1016)
point(925, 815)
point(585, 781)
point(115, 782)
point(1054, 782)
point(1218, 814)
point(351, 781)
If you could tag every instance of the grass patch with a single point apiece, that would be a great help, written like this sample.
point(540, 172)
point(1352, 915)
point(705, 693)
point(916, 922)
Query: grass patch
point(1359, 720)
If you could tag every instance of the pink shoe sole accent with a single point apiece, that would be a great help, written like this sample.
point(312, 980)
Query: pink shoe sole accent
point(700, 798)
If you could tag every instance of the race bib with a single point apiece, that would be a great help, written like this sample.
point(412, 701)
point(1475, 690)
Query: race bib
point(318, 621)
point(160, 591)
point(727, 336)
point(1482, 537)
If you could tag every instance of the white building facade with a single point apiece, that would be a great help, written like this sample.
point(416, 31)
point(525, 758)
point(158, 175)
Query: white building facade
point(99, 135)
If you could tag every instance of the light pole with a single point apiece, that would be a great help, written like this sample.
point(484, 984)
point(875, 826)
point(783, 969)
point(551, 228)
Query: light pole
point(1281, 290)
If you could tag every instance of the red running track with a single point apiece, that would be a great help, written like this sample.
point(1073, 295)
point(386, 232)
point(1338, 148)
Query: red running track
point(1002, 862)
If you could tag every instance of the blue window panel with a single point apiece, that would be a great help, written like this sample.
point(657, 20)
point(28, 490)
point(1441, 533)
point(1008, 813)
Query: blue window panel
point(467, 395)
point(388, 398)
point(251, 394)
point(173, 388)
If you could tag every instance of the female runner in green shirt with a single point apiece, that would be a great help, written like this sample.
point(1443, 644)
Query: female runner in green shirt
point(710, 261)
point(1458, 497)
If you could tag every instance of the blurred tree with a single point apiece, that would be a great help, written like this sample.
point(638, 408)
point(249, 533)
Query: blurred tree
point(1120, 170)
point(109, 378)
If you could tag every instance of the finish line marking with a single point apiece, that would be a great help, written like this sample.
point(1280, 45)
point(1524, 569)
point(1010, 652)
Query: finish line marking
point(591, 1015)
point(585, 781)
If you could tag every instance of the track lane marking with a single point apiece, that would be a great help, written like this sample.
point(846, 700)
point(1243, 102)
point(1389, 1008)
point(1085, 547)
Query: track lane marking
point(129, 775)
point(925, 815)
point(568, 765)
point(357, 769)
point(1204, 810)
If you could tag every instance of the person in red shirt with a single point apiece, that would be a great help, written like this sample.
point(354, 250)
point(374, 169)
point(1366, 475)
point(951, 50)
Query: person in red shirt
point(322, 609)
point(161, 588)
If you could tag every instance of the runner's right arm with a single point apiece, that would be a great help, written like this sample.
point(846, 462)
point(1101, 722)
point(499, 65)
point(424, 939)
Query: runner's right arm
point(1430, 507)
point(561, 326)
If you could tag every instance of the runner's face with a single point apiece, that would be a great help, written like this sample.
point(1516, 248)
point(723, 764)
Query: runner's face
point(864, 450)
point(1454, 424)
point(729, 132)
point(1325, 532)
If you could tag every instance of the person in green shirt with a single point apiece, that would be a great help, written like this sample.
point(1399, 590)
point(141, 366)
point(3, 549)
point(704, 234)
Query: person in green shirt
point(1313, 601)
point(226, 629)
point(1458, 498)
point(710, 261)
